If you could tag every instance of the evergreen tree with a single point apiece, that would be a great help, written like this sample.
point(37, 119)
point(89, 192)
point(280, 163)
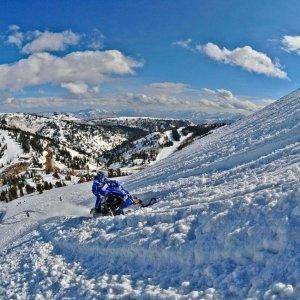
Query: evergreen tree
point(12, 193)
point(58, 184)
point(21, 191)
point(175, 134)
point(29, 189)
point(40, 188)
point(3, 196)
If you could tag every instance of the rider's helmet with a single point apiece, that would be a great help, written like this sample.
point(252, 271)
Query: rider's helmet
point(101, 176)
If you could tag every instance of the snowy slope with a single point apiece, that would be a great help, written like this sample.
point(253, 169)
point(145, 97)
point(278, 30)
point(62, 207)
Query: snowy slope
point(40, 207)
point(12, 151)
point(69, 131)
point(156, 146)
point(167, 151)
point(227, 225)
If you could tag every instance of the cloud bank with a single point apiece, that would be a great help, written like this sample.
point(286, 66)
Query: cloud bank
point(156, 98)
point(207, 100)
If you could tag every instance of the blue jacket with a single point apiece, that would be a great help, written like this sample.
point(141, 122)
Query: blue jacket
point(107, 186)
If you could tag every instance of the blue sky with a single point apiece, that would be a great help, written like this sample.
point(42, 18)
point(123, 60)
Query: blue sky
point(170, 54)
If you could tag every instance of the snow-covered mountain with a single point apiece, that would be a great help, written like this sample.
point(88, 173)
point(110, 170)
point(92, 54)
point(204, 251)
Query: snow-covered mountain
point(71, 131)
point(227, 224)
point(91, 114)
point(132, 115)
point(44, 151)
point(146, 123)
point(154, 146)
point(80, 144)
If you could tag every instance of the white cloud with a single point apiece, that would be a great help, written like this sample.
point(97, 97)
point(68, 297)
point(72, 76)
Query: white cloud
point(81, 90)
point(51, 41)
point(135, 99)
point(47, 41)
point(89, 67)
point(245, 57)
point(36, 102)
point(76, 88)
point(15, 37)
point(184, 43)
point(291, 43)
point(95, 45)
point(94, 40)
point(167, 87)
point(13, 27)
point(39, 104)
point(225, 100)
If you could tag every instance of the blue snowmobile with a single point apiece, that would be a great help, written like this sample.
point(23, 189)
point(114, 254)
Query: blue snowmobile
point(112, 198)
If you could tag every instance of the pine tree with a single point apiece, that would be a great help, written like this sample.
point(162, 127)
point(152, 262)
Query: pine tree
point(12, 193)
point(29, 189)
point(3, 196)
point(46, 185)
point(58, 184)
point(175, 134)
point(40, 188)
point(21, 191)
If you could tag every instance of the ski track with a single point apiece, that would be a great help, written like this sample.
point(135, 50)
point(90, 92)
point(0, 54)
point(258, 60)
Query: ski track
point(227, 225)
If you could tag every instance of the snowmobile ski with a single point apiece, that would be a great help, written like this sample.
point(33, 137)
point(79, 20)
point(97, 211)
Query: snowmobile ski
point(151, 202)
point(109, 212)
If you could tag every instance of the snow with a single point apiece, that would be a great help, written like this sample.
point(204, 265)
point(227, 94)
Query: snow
point(13, 148)
point(167, 151)
point(153, 141)
point(60, 127)
point(226, 226)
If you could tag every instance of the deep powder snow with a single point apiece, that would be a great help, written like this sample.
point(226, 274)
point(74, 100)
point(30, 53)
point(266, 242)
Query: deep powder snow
point(227, 224)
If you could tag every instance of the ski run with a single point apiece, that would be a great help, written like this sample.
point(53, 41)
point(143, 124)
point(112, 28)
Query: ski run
point(227, 225)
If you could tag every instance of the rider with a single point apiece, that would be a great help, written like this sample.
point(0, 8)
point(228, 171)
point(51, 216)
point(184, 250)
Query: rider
point(103, 186)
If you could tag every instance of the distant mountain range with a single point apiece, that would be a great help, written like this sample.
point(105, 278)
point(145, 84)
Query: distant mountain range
point(196, 117)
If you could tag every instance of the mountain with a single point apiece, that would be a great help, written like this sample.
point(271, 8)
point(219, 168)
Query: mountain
point(79, 144)
point(71, 132)
point(154, 146)
point(40, 152)
point(146, 123)
point(129, 115)
point(226, 224)
point(91, 114)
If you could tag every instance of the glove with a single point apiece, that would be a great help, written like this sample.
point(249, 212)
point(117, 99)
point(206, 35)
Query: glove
point(136, 200)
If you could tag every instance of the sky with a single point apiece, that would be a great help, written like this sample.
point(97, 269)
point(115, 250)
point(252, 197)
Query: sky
point(168, 57)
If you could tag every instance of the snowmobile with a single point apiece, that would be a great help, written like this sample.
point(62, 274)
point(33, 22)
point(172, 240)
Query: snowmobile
point(112, 205)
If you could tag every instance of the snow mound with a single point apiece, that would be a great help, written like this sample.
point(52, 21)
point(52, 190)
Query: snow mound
point(227, 225)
